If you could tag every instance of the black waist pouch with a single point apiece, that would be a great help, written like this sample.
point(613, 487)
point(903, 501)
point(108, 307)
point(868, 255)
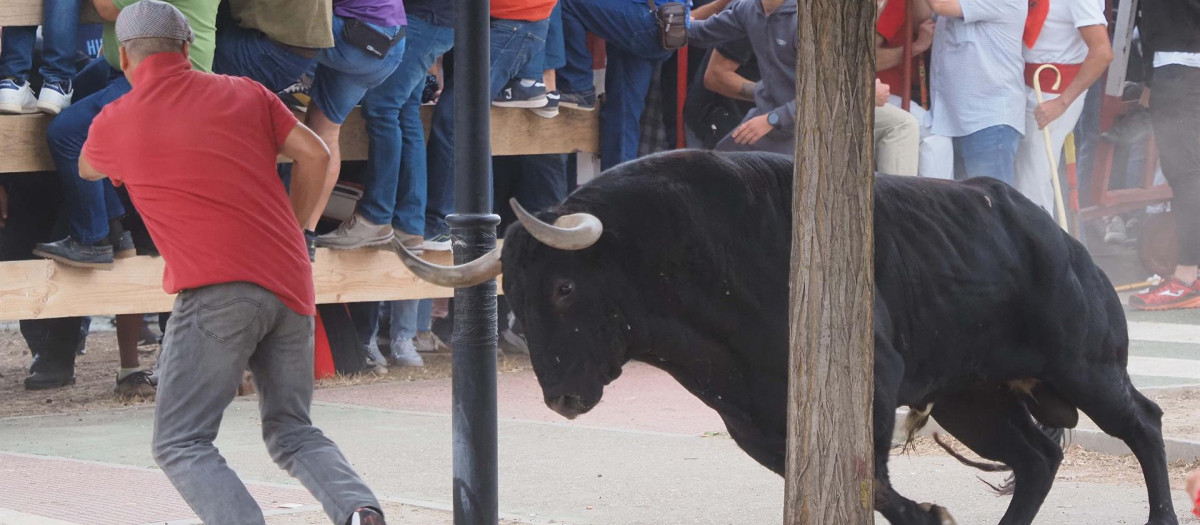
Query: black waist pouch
point(672, 23)
point(365, 37)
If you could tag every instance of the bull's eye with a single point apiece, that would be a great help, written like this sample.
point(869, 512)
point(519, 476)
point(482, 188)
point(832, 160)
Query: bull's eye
point(565, 289)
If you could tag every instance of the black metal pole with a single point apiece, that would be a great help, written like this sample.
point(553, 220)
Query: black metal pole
point(473, 227)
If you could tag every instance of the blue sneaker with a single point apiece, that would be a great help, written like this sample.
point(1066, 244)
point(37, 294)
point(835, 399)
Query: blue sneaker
point(16, 99)
point(550, 110)
point(585, 101)
point(55, 97)
point(516, 95)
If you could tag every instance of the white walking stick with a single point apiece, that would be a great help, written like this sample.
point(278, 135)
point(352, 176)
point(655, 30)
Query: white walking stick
point(1060, 210)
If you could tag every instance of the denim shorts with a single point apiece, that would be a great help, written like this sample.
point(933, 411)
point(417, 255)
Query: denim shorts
point(345, 72)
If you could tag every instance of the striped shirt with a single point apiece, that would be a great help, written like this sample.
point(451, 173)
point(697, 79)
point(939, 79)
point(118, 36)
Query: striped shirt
point(977, 74)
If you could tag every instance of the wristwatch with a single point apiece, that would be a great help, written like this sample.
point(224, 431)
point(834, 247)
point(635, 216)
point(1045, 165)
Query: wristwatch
point(773, 119)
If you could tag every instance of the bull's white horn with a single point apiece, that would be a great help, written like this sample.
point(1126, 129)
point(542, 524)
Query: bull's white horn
point(457, 276)
point(569, 232)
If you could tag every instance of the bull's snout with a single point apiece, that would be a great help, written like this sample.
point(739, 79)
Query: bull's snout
point(569, 406)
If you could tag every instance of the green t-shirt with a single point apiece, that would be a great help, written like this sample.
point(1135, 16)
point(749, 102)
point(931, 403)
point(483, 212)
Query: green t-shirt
point(201, 15)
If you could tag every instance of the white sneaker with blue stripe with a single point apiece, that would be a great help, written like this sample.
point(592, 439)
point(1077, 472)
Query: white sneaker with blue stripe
point(55, 97)
point(16, 99)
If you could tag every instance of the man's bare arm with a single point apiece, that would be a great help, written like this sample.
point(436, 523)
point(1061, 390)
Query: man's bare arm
point(87, 172)
point(310, 161)
point(709, 9)
point(950, 8)
point(721, 77)
point(107, 9)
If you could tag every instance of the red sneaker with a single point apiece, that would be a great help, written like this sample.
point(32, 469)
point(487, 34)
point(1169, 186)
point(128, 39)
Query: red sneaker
point(1168, 295)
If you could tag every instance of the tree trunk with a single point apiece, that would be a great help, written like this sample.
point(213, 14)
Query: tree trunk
point(830, 461)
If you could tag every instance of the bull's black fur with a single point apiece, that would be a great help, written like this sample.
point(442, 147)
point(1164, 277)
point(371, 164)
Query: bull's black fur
point(976, 287)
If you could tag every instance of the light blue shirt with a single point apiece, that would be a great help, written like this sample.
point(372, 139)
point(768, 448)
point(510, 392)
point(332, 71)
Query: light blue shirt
point(977, 74)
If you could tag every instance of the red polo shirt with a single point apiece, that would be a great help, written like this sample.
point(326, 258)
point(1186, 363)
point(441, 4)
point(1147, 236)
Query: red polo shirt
point(890, 26)
point(197, 152)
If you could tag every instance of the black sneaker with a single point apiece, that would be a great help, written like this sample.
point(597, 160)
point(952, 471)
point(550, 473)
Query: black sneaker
point(366, 516)
point(71, 253)
point(122, 244)
point(438, 243)
point(585, 101)
point(46, 380)
point(310, 238)
point(550, 110)
point(515, 95)
point(137, 384)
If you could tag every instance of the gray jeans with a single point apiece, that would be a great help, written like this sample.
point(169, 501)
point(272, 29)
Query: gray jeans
point(215, 332)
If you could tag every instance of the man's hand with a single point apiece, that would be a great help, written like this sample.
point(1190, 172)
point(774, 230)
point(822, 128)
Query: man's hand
point(1193, 487)
point(751, 130)
point(924, 39)
point(3, 206)
point(1049, 111)
point(882, 92)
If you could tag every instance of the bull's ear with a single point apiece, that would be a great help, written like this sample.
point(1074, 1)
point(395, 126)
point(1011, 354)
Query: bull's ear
point(569, 232)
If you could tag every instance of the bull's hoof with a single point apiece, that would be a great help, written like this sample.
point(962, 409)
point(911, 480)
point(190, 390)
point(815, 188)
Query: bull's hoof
point(940, 514)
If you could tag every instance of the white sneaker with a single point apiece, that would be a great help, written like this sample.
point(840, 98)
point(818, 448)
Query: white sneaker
point(55, 97)
point(404, 353)
point(16, 99)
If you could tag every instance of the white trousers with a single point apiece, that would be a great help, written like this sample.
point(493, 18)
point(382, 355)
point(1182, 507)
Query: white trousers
point(936, 152)
point(1033, 168)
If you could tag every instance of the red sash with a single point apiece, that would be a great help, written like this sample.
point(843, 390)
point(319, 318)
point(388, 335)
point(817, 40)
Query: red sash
point(1069, 72)
point(1038, 9)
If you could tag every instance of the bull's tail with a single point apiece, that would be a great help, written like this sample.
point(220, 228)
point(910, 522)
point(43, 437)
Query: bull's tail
point(914, 422)
point(1009, 485)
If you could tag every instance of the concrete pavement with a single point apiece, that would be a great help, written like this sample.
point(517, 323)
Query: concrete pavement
point(651, 453)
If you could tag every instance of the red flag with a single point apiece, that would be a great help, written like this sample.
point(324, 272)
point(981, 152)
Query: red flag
point(1038, 9)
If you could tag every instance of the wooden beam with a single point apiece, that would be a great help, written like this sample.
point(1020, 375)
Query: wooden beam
point(29, 13)
point(514, 132)
point(44, 289)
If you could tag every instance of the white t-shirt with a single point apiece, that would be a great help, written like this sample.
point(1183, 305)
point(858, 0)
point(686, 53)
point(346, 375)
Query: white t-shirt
point(1059, 41)
point(1181, 58)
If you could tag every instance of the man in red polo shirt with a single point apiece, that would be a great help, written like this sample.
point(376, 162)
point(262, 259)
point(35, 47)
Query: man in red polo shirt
point(197, 152)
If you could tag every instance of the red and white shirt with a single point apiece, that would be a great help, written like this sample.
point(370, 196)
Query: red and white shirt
point(1059, 41)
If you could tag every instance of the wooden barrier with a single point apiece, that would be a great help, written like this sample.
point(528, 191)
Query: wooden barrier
point(29, 13)
point(45, 289)
point(514, 132)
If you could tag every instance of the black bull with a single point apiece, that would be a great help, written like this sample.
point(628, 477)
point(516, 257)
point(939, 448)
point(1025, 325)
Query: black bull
point(984, 310)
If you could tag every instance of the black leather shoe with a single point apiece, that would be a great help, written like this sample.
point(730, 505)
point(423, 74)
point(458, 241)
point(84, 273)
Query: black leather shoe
point(71, 253)
point(46, 381)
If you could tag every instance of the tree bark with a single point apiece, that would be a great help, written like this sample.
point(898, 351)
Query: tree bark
point(830, 461)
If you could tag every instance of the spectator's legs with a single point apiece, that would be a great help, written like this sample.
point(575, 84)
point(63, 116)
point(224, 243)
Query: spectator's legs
point(425, 315)
point(16, 60)
point(366, 324)
point(1032, 176)
point(1175, 110)
point(576, 73)
point(897, 141)
point(403, 330)
point(249, 53)
point(344, 75)
point(60, 24)
point(514, 44)
point(87, 202)
point(989, 152)
point(440, 160)
point(34, 203)
point(627, 79)
point(409, 216)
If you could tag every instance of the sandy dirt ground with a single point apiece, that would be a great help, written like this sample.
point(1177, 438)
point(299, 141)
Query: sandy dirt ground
point(95, 376)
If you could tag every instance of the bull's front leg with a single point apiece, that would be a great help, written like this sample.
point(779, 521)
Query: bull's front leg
point(889, 371)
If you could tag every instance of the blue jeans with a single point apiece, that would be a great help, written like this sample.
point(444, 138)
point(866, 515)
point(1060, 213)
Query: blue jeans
point(554, 56)
point(60, 23)
point(89, 204)
point(989, 152)
point(633, 49)
point(345, 72)
point(396, 172)
point(425, 315)
point(513, 44)
point(249, 53)
point(536, 181)
point(402, 314)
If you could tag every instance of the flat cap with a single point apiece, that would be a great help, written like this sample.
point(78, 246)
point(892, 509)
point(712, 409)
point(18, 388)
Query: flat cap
point(153, 19)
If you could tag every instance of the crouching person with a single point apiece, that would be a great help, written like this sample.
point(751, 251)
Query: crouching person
point(197, 152)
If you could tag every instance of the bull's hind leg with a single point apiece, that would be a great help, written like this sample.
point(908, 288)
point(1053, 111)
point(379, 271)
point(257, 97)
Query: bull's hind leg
point(1107, 396)
point(993, 423)
point(898, 510)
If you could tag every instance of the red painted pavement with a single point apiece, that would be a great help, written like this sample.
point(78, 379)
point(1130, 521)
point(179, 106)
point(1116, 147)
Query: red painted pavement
point(97, 494)
point(643, 398)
